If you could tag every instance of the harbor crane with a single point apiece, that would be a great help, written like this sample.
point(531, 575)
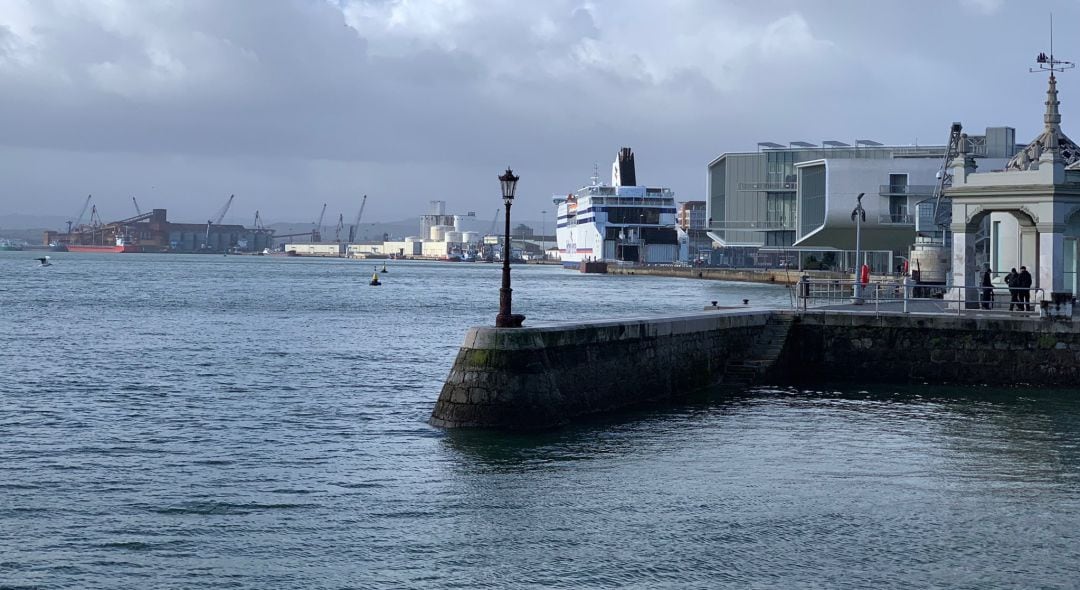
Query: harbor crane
point(95, 219)
point(78, 220)
point(258, 221)
point(137, 210)
point(216, 220)
point(337, 229)
point(494, 223)
point(316, 230)
point(354, 230)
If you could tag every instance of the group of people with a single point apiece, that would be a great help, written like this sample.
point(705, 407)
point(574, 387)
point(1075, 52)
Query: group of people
point(1019, 284)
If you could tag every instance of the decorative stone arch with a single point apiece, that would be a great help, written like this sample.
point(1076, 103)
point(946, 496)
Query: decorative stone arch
point(1071, 213)
point(1024, 216)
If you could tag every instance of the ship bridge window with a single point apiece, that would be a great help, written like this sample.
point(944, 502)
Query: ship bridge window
point(632, 215)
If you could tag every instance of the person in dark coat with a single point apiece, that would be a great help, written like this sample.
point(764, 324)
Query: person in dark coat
point(1024, 283)
point(987, 289)
point(1012, 280)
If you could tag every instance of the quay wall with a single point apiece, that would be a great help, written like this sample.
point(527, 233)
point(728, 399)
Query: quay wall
point(776, 277)
point(541, 377)
point(899, 348)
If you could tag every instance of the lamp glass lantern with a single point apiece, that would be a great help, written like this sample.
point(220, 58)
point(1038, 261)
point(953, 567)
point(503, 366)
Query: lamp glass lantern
point(509, 185)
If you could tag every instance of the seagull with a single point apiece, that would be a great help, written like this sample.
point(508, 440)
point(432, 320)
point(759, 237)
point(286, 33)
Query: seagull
point(44, 260)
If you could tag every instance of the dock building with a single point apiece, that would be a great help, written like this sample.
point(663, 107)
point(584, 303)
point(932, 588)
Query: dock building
point(790, 205)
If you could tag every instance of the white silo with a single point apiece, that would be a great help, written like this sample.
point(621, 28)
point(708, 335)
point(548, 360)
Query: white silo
point(438, 233)
point(453, 237)
point(470, 237)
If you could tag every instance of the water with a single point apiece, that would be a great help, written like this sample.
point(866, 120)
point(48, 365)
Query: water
point(255, 422)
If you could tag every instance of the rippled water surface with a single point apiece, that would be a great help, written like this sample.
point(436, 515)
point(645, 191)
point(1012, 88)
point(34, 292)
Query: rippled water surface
point(259, 422)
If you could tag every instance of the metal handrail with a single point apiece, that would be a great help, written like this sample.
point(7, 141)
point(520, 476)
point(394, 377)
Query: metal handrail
point(915, 190)
point(827, 292)
point(896, 219)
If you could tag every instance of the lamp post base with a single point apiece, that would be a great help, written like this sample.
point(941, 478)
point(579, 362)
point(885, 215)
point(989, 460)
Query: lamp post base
point(509, 321)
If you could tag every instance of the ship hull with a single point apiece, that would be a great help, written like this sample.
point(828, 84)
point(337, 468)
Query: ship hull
point(110, 249)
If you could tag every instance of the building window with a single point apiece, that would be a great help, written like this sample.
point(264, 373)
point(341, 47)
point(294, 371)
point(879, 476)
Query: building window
point(812, 207)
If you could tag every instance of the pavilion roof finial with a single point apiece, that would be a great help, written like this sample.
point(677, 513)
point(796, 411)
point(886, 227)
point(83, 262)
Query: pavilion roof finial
point(1052, 140)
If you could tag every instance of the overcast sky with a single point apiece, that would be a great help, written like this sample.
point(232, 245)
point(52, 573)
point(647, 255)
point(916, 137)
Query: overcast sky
point(293, 103)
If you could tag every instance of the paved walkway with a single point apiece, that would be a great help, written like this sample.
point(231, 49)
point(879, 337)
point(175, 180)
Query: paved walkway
point(929, 306)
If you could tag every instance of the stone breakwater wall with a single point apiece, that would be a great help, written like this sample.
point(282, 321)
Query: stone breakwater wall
point(541, 377)
point(898, 348)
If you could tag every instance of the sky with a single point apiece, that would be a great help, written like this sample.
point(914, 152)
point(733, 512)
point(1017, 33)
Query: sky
point(289, 104)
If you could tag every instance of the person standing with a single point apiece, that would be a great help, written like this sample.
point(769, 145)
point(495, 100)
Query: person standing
point(987, 289)
point(1012, 280)
point(1024, 283)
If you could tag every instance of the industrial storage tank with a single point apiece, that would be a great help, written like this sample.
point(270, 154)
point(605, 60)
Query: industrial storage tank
point(471, 237)
point(453, 237)
point(929, 261)
point(411, 239)
point(438, 232)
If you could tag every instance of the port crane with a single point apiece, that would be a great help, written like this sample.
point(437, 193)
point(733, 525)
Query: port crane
point(339, 227)
point(258, 221)
point(316, 231)
point(313, 234)
point(354, 230)
point(78, 220)
point(137, 210)
point(494, 223)
point(216, 220)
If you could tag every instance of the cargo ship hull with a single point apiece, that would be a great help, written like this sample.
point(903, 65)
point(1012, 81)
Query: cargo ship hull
point(91, 248)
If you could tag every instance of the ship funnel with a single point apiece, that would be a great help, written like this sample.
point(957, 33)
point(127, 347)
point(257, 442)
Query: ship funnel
point(622, 171)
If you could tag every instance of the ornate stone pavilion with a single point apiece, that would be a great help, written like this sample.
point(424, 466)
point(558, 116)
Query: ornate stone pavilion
point(1034, 209)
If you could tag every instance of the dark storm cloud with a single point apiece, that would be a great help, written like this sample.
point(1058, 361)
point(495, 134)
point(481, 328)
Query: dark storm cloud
point(295, 102)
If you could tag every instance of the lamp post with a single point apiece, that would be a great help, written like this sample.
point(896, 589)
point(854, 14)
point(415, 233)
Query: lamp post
point(543, 235)
point(505, 319)
point(858, 215)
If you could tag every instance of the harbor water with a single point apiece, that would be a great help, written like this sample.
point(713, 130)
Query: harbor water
point(172, 421)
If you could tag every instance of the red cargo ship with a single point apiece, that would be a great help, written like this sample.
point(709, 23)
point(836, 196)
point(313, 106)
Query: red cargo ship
point(122, 245)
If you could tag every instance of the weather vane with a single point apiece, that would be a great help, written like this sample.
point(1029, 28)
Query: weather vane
point(1047, 63)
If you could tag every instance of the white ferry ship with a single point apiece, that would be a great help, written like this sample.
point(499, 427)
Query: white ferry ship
point(623, 222)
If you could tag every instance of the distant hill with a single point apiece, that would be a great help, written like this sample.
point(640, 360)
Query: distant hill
point(14, 221)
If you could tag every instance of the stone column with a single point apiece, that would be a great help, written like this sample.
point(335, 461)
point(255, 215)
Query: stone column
point(1050, 277)
point(1029, 252)
point(964, 274)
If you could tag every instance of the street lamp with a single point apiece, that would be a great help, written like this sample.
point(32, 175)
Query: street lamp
point(505, 319)
point(543, 235)
point(858, 215)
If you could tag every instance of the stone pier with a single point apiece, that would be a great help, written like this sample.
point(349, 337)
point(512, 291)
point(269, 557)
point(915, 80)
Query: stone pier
point(543, 377)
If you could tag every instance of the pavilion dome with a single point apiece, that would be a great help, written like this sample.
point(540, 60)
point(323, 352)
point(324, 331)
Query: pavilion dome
point(1052, 138)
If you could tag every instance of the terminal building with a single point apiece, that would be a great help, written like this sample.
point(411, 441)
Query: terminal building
point(791, 205)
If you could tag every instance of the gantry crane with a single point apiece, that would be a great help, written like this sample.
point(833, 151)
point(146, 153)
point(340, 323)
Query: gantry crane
point(258, 221)
point(337, 229)
point(316, 230)
point(216, 220)
point(137, 210)
point(78, 220)
point(354, 231)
